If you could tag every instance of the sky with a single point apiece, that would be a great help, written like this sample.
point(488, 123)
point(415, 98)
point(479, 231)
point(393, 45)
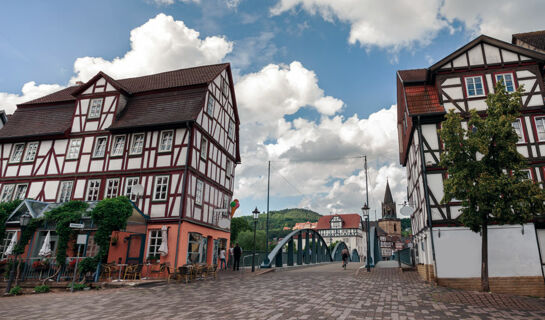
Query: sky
point(315, 80)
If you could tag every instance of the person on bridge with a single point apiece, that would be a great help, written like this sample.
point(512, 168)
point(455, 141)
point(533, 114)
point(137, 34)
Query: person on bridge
point(237, 252)
point(344, 255)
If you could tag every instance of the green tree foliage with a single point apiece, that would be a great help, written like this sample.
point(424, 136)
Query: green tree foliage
point(6, 208)
point(237, 225)
point(62, 216)
point(485, 169)
point(406, 223)
point(246, 240)
point(110, 215)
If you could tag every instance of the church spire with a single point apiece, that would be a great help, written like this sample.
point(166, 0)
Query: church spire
point(388, 199)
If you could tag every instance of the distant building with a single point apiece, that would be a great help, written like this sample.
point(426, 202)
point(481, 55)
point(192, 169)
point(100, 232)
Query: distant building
point(389, 227)
point(343, 227)
point(305, 225)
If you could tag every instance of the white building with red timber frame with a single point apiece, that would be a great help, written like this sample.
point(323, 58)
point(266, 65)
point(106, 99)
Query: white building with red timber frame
point(446, 251)
point(173, 135)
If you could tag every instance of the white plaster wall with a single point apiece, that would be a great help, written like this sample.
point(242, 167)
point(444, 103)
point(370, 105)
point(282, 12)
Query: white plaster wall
point(510, 252)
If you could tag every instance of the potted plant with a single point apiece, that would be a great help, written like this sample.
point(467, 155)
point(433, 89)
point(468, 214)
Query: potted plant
point(114, 241)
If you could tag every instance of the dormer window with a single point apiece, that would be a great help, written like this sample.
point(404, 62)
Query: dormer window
point(94, 108)
point(336, 223)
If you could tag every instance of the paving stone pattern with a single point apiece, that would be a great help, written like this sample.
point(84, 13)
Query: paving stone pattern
point(320, 292)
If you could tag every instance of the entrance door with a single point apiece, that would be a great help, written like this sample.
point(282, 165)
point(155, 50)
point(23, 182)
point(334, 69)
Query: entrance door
point(135, 248)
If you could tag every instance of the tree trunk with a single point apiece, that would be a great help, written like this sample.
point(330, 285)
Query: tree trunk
point(485, 286)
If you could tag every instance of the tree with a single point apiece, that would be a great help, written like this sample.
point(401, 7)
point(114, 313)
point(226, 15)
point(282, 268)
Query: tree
point(110, 215)
point(237, 225)
point(246, 240)
point(485, 171)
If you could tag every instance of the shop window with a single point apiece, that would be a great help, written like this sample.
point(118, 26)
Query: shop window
point(196, 248)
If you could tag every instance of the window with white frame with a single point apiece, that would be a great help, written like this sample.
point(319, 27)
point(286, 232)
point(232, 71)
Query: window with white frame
point(30, 153)
point(474, 86)
point(20, 192)
point(211, 105)
point(528, 174)
point(204, 148)
point(161, 188)
point(112, 188)
point(7, 192)
point(73, 149)
point(93, 190)
point(129, 184)
point(94, 108)
point(226, 201)
point(4, 243)
point(137, 143)
point(540, 128)
point(65, 191)
point(100, 147)
point(199, 193)
point(118, 146)
point(231, 130)
point(155, 240)
point(225, 88)
point(507, 79)
point(165, 144)
point(517, 125)
point(17, 152)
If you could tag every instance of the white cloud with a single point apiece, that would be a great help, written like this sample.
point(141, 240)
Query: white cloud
point(160, 44)
point(30, 91)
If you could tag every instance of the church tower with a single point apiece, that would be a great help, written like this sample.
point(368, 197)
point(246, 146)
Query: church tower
point(389, 222)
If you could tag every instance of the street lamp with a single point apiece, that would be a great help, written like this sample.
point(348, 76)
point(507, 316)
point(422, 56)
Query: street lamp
point(256, 216)
point(365, 210)
point(24, 220)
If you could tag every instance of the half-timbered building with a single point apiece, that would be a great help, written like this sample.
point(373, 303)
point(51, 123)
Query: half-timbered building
point(446, 251)
point(168, 141)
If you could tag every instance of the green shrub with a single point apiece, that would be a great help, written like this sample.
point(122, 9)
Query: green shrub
point(88, 264)
point(16, 291)
point(42, 289)
point(78, 286)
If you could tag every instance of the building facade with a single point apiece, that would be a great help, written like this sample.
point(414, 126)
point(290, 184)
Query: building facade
point(446, 251)
point(168, 141)
point(345, 228)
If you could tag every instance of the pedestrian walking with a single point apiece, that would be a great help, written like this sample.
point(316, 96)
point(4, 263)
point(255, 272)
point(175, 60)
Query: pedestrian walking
point(344, 255)
point(237, 252)
point(223, 264)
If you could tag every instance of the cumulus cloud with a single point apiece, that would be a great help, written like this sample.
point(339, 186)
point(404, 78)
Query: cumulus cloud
point(30, 91)
point(160, 44)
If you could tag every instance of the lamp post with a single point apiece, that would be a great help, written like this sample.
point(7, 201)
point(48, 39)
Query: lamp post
point(365, 210)
point(256, 216)
point(24, 220)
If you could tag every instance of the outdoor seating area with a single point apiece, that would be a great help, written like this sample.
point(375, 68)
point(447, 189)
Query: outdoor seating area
point(191, 272)
point(187, 273)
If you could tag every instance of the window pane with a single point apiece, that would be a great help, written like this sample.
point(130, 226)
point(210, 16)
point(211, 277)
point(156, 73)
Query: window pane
point(137, 143)
point(17, 152)
point(166, 141)
point(100, 147)
point(7, 192)
point(30, 153)
point(73, 151)
point(119, 145)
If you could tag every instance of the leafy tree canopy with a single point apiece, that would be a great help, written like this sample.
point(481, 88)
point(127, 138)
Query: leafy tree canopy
point(237, 225)
point(110, 215)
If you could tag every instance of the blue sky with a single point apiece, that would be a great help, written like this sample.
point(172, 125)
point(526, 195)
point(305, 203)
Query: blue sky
point(346, 53)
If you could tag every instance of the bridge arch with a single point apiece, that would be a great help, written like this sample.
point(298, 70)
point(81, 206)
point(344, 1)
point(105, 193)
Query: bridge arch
point(336, 255)
point(313, 250)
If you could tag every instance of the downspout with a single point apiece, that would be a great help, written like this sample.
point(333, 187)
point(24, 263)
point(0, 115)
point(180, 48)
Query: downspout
point(426, 195)
point(182, 201)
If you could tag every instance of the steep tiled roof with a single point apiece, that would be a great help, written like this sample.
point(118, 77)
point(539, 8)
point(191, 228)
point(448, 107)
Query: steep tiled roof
point(350, 221)
point(422, 99)
point(161, 109)
point(38, 121)
point(536, 38)
point(63, 95)
point(414, 75)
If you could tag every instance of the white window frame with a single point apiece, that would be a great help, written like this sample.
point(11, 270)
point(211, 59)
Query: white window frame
point(6, 241)
point(529, 173)
point(475, 86)
point(7, 192)
point(166, 145)
point(30, 152)
point(521, 137)
point(17, 195)
point(18, 150)
point(204, 148)
point(199, 191)
point(112, 188)
point(231, 130)
point(154, 243)
point(74, 149)
point(211, 105)
point(93, 192)
point(160, 190)
point(95, 115)
point(133, 141)
point(130, 182)
point(540, 122)
point(100, 153)
point(65, 191)
point(503, 74)
point(118, 145)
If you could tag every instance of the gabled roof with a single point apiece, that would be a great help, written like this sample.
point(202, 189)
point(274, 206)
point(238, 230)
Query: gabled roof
point(490, 41)
point(64, 95)
point(350, 221)
point(413, 75)
point(535, 39)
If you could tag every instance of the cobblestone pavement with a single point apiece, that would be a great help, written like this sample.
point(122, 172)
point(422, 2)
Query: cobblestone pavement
point(319, 292)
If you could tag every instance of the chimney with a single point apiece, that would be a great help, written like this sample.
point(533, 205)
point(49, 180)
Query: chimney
point(79, 83)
